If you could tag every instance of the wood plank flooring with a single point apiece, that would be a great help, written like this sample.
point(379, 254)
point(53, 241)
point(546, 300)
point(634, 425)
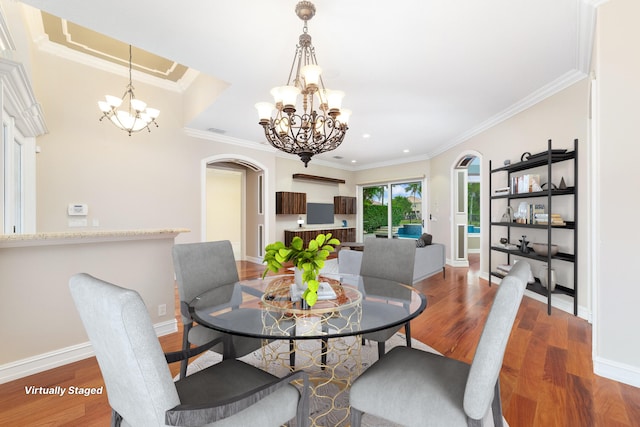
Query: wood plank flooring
point(547, 377)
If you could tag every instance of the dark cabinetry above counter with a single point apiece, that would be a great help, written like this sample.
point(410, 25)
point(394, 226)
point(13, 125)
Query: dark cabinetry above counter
point(291, 203)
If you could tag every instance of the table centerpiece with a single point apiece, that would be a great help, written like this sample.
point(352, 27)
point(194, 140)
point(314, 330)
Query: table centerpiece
point(309, 260)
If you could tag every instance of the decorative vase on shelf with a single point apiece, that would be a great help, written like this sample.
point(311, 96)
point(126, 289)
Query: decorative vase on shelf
point(544, 276)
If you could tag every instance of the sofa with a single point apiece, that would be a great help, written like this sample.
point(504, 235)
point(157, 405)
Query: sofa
point(430, 260)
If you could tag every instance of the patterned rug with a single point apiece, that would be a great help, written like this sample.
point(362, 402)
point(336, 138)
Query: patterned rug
point(329, 400)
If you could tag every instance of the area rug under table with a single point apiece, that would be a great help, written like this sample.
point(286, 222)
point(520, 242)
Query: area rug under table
point(332, 412)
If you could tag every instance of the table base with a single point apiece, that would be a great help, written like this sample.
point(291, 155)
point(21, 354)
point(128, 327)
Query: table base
point(330, 383)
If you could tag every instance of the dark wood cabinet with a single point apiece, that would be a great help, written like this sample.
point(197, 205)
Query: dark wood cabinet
point(291, 203)
point(344, 234)
point(344, 205)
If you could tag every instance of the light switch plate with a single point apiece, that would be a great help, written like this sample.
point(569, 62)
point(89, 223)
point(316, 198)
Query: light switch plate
point(76, 209)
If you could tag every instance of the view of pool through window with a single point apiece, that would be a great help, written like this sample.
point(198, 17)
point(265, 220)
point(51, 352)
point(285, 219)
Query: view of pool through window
point(398, 204)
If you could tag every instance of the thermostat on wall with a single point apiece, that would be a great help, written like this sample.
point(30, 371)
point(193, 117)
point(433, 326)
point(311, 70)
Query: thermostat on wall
point(77, 209)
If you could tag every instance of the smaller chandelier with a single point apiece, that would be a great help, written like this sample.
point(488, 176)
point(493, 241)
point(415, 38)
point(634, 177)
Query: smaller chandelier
point(321, 124)
point(135, 116)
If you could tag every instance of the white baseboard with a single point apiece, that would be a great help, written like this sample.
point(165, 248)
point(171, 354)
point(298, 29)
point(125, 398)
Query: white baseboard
point(454, 263)
point(617, 371)
point(53, 359)
point(255, 260)
point(558, 302)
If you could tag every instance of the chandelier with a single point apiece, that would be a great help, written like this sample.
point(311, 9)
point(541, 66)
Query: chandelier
point(135, 116)
point(321, 124)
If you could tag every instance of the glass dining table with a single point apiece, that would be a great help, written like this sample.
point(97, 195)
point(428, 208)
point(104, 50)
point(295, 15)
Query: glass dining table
point(324, 340)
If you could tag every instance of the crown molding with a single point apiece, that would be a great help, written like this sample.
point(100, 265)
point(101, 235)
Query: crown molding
point(252, 145)
point(561, 83)
point(392, 162)
point(216, 137)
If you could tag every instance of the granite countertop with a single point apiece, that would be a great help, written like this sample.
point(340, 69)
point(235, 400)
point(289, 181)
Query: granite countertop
point(86, 236)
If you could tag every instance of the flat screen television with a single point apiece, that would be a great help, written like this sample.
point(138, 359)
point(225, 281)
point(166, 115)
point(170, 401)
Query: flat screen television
point(319, 213)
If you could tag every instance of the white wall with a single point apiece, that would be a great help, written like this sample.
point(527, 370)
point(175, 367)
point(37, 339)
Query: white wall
point(225, 207)
point(616, 345)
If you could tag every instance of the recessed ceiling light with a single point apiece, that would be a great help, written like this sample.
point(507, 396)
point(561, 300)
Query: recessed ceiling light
point(366, 135)
point(353, 161)
point(405, 151)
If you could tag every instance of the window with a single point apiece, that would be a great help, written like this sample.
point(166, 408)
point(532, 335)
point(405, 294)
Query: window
point(398, 204)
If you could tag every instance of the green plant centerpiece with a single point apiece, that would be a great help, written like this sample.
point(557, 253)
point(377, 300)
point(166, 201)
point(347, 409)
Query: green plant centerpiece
point(309, 260)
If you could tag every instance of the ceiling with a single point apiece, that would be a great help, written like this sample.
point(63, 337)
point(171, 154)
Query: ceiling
point(420, 75)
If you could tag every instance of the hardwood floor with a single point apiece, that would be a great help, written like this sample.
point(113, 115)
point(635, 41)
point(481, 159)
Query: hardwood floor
point(547, 376)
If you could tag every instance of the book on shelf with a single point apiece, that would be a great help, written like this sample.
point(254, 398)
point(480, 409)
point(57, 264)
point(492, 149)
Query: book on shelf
point(537, 211)
point(502, 191)
point(526, 183)
point(556, 219)
point(534, 214)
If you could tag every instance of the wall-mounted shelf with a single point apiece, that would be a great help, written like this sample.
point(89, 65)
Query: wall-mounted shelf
point(318, 178)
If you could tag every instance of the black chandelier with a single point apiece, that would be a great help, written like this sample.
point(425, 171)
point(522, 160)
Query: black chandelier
point(321, 124)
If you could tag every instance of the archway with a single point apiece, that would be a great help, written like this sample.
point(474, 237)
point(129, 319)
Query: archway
point(234, 187)
point(466, 182)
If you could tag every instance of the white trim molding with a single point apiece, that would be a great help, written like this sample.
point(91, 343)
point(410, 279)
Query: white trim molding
point(53, 359)
point(564, 305)
point(616, 371)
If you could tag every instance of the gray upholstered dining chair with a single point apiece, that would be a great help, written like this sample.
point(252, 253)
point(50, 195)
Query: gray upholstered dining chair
point(417, 388)
point(138, 381)
point(391, 259)
point(201, 267)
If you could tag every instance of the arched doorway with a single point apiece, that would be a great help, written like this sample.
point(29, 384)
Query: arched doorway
point(233, 204)
point(466, 207)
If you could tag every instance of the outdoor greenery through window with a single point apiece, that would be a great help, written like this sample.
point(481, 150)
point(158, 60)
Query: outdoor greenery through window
point(474, 204)
point(406, 209)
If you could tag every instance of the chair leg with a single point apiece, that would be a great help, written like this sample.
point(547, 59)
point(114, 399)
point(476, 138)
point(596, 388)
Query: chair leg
point(381, 349)
point(292, 355)
point(407, 332)
point(185, 346)
point(356, 417)
point(496, 406)
point(116, 418)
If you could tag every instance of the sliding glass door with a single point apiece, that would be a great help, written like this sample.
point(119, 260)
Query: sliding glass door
point(392, 210)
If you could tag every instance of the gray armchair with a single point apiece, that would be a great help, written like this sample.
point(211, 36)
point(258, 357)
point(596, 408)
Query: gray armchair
point(139, 386)
point(201, 267)
point(416, 388)
point(391, 259)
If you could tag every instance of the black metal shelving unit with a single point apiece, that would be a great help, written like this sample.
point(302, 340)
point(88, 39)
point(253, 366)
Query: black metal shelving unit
point(548, 158)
